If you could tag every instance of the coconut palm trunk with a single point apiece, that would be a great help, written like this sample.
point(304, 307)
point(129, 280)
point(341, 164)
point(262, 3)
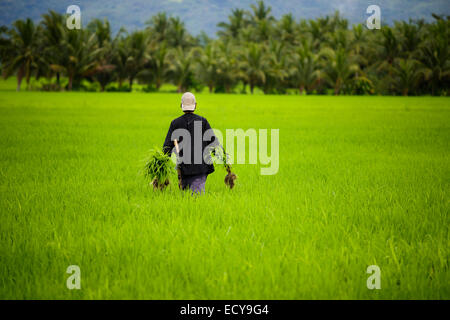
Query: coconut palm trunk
point(131, 83)
point(20, 74)
point(69, 86)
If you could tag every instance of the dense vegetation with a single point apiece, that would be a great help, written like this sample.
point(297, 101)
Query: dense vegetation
point(252, 50)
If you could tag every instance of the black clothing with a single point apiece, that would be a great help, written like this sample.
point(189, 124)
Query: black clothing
point(190, 121)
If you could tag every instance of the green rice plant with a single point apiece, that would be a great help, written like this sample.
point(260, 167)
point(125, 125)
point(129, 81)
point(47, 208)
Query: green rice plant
point(364, 181)
point(219, 156)
point(158, 169)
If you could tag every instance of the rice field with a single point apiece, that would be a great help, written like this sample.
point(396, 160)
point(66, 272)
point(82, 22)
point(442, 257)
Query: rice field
point(362, 181)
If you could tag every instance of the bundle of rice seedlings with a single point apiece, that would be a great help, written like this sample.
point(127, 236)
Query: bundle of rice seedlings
point(219, 156)
point(158, 168)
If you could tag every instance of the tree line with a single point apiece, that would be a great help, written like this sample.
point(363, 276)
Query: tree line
point(252, 50)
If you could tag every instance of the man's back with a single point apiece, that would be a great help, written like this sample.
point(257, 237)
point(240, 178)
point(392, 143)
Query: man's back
point(191, 127)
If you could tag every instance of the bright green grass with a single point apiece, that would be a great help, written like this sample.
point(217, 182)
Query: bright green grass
point(9, 84)
point(362, 181)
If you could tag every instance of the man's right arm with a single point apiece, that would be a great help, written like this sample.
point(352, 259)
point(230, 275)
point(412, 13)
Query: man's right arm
point(168, 143)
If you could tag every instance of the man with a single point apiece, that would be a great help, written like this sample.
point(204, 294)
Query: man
point(193, 166)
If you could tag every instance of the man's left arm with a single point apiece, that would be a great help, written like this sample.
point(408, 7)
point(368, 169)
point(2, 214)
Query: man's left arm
point(212, 142)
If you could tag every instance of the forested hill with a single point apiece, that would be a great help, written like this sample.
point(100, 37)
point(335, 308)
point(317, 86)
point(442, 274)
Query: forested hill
point(204, 15)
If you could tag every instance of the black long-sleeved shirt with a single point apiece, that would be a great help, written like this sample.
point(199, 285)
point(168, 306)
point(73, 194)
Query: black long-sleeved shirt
point(188, 121)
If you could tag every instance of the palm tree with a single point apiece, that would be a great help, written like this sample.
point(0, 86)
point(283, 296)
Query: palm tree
point(277, 68)
point(53, 35)
point(102, 31)
point(22, 53)
point(5, 42)
point(336, 22)
point(319, 30)
point(261, 21)
point(177, 34)
point(338, 39)
point(358, 46)
point(103, 72)
point(207, 65)
point(120, 58)
point(261, 12)
point(5, 48)
point(262, 30)
point(253, 64)
point(406, 75)
point(287, 28)
point(434, 55)
point(246, 35)
point(339, 68)
point(79, 53)
point(159, 65)
point(227, 66)
point(180, 68)
point(237, 21)
point(306, 66)
point(138, 54)
point(410, 37)
point(390, 48)
point(159, 25)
